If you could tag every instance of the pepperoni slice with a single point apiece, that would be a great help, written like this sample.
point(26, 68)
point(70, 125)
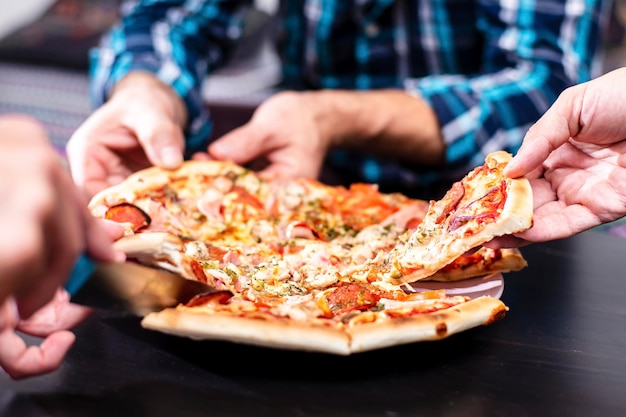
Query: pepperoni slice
point(129, 213)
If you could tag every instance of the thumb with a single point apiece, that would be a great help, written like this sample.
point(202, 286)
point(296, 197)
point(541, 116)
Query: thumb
point(241, 145)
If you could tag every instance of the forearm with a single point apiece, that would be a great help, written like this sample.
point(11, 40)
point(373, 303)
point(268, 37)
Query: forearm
point(389, 123)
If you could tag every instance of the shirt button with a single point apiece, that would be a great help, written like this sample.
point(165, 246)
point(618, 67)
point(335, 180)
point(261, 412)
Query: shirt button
point(371, 30)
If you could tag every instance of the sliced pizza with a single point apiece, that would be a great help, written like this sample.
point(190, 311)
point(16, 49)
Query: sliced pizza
point(483, 205)
point(302, 265)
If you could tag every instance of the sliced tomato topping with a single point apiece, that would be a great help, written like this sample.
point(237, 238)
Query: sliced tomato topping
point(351, 297)
point(364, 205)
point(217, 297)
point(239, 205)
point(414, 222)
point(452, 198)
point(216, 253)
point(198, 271)
point(245, 197)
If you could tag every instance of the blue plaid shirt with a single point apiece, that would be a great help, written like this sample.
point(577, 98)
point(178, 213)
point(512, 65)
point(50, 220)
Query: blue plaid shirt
point(488, 68)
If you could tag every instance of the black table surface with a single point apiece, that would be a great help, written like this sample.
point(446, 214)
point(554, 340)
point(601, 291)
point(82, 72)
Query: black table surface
point(560, 351)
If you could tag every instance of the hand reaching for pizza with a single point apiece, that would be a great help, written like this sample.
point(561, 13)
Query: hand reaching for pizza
point(291, 133)
point(575, 157)
point(139, 126)
point(283, 134)
point(45, 226)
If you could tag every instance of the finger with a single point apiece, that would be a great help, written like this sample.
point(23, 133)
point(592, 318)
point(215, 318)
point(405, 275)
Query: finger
point(22, 126)
point(21, 262)
point(534, 150)
point(112, 228)
point(201, 156)
point(69, 317)
point(271, 174)
point(91, 235)
point(241, 145)
point(58, 314)
point(542, 192)
point(65, 232)
point(162, 139)
point(99, 235)
point(23, 252)
point(63, 241)
point(559, 224)
point(20, 361)
point(558, 124)
point(33, 301)
point(103, 151)
point(83, 154)
point(275, 171)
point(155, 113)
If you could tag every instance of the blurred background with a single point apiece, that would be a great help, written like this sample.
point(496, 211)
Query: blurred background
point(44, 48)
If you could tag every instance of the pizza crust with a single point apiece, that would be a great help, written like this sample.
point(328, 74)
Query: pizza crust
point(262, 330)
point(427, 327)
point(276, 332)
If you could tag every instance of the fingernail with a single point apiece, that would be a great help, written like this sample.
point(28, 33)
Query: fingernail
point(171, 157)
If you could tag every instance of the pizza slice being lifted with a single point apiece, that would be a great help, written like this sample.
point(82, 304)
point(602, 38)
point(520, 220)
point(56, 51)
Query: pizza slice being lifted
point(302, 265)
point(481, 206)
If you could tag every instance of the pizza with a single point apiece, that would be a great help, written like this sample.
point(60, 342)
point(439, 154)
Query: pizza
point(298, 264)
point(483, 205)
